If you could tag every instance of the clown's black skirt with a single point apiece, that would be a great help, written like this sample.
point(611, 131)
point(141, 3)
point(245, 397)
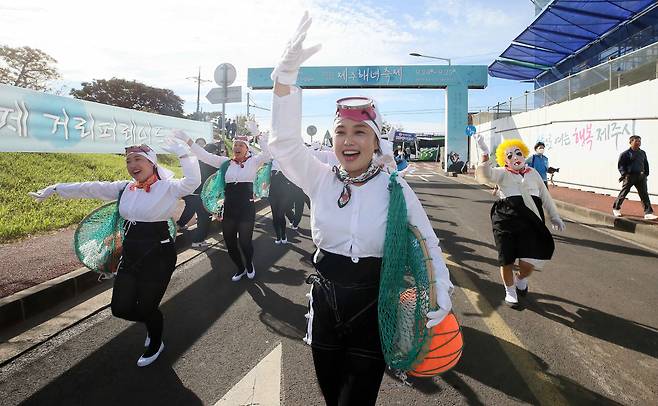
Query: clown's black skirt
point(518, 232)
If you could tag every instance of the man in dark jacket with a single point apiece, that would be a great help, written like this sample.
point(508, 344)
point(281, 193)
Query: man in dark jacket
point(634, 168)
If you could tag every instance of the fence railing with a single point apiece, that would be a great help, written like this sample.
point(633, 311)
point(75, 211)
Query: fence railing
point(634, 67)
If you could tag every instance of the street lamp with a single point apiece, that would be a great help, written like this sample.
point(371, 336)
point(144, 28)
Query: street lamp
point(431, 57)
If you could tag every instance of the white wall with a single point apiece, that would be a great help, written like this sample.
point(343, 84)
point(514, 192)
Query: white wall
point(585, 136)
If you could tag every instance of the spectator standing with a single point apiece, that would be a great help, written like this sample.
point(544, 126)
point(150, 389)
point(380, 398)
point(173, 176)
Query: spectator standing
point(633, 166)
point(539, 162)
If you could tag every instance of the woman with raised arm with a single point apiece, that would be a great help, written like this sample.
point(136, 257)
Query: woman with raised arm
point(517, 217)
point(148, 255)
point(349, 205)
point(239, 214)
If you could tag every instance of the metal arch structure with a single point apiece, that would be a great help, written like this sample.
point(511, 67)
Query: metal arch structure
point(455, 79)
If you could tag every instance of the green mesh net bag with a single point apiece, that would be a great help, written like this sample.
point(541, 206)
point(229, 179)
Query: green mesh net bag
point(212, 193)
point(98, 239)
point(262, 181)
point(406, 291)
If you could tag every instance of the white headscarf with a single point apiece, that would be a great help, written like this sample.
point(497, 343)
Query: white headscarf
point(163, 173)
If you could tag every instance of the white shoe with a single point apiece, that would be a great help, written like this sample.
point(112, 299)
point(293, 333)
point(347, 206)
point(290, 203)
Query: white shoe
point(650, 216)
point(293, 227)
point(144, 361)
point(238, 276)
point(201, 244)
point(147, 342)
point(284, 241)
point(252, 274)
point(510, 296)
point(616, 213)
point(277, 242)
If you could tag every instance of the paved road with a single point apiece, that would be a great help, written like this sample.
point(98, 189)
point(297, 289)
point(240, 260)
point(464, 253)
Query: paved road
point(587, 333)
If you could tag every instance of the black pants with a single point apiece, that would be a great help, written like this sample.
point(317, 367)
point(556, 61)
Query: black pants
point(639, 180)
point(147, 262)
point(296, 209)
point(193, 205)
point(343, 329)
point(238, 223)
point(280, 200)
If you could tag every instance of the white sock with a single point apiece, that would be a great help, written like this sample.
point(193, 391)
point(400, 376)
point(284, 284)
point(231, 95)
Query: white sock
point(510, 290)
point(521, 283)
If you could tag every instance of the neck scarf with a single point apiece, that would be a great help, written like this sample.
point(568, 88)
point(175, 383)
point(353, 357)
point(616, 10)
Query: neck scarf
point(241, 161)
point(520, 172)
point(343, 176)
point(146, 185)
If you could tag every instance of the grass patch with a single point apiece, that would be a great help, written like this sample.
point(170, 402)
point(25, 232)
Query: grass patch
point(21, 173)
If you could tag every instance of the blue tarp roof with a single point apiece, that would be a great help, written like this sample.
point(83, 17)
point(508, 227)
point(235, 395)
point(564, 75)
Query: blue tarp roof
point(562, 29)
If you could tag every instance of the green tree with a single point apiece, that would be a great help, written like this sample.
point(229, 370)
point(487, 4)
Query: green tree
point(131, 95)
point(27, 67)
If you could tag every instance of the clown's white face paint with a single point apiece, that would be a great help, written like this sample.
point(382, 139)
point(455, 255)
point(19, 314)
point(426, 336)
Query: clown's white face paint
point(514, 158)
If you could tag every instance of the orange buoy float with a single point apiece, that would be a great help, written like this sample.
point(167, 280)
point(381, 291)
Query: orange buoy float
point(444, 348)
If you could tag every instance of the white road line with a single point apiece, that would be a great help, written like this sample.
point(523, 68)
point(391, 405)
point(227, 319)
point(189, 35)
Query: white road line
point(261, 386)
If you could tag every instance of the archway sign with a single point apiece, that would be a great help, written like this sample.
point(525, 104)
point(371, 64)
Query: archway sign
point(455, 79)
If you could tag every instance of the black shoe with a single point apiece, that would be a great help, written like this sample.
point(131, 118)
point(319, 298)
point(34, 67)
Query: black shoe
point(522, 292)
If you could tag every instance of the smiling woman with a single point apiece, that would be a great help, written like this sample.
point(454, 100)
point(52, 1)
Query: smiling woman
point(349, 222)
point(148, 253)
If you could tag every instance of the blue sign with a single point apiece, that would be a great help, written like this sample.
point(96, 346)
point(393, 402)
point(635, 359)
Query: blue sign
point(470, 130)
point(387, 76)
point(400, 136)
point(32, 121)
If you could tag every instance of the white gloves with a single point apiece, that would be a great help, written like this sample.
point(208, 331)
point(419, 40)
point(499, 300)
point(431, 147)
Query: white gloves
point(444, 303)
point(43, 194)
point(287, 69)
point(558, 224)
point(484, 148)
point(175, 146)
point(180, 134)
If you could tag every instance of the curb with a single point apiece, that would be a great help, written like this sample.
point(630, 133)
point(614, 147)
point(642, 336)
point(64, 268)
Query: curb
point(633, 230)
point(33, 301)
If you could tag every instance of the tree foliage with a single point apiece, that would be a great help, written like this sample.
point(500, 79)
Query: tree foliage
point(27, 67)
point(131, 95)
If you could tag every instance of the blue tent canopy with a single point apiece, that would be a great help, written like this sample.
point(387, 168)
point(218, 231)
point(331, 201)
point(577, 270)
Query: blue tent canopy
point(510, 70)
point(562, 29)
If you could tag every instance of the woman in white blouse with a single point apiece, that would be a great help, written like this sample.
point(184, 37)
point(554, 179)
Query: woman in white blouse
point(349, 205)
point(239, 209)
point(148, 253)
point(517, 217)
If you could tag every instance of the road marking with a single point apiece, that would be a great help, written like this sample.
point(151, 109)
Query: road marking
point(261, 386)
point(544, 387)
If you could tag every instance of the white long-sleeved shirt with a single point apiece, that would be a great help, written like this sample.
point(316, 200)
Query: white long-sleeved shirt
point(159, 204)
point(511, 184)
point(235, 173)
point(357, 230)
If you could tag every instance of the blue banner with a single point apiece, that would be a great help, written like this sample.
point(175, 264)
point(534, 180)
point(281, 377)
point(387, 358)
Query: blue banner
point(32, 121)
point(387, 76)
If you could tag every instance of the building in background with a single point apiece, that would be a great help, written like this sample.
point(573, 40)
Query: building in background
point(595, 69)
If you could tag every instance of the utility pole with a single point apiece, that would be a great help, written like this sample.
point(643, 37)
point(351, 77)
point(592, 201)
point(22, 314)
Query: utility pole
point(198, 81)
point(247, 105)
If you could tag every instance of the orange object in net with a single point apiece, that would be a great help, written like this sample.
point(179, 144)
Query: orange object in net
point(444, 349)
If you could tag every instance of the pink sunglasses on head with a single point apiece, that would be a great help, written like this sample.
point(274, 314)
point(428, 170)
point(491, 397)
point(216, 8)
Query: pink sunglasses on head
point(138, 148)
point(357, 109)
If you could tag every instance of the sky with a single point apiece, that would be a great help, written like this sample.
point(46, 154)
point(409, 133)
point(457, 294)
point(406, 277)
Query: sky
point(162, 43)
